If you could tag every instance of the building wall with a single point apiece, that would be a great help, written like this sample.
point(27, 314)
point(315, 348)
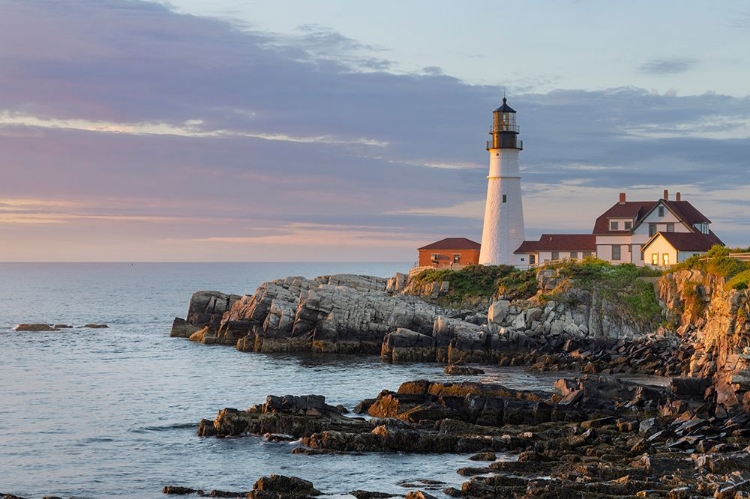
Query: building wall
point(684, 255)
point(661, 223)
point(543, 257)
point(658, 248)
point(628, 253)
point(446, 258)
point(503, 230)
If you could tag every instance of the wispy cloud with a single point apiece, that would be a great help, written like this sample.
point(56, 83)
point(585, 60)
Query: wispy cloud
point(668, 66)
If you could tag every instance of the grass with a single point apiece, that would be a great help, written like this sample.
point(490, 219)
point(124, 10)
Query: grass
point(482, 281)
point(618, 284)
point(717, 262)
point(739, 281)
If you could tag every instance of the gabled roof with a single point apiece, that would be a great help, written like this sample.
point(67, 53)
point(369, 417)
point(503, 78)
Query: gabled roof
point(560, 242)
point(452, 243)
point(633, 210)
point(686, 241)
point(686, 212)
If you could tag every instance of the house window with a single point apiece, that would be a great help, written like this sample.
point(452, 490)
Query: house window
point(614, 225)
point(661, 211)
point(574, 255)
point(555, 255)
point(505, 198)
point(586, 254)
point(456, 257)
point(665, 259)
point(434, 257)
point(628, 225)
point(532, 259)
point(651, 230)
point(654, 258)
point(704, 228)
point(616, 252)
point(670, 227)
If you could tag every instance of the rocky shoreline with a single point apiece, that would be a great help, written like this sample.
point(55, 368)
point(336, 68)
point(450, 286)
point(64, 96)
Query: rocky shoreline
point(592, 436)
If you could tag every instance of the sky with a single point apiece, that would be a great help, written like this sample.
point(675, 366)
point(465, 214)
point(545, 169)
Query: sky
point(289, 130)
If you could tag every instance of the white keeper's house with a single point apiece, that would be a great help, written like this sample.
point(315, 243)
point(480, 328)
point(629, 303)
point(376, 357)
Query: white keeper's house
point(658, 233)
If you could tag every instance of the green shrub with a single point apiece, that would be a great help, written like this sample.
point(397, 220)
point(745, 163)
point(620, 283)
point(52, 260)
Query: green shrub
point(739, 281)
point(483, 281)
point(716, 262)
point(642, 302)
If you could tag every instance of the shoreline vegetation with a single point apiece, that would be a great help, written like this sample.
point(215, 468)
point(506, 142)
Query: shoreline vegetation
point(593, 435)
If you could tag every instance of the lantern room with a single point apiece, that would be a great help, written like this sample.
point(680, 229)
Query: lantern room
point(504, 129)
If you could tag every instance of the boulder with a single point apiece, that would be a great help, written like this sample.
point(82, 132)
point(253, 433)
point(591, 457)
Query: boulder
point(405, 345)
point(208, 307)
point(283, 486)
point(34, 327)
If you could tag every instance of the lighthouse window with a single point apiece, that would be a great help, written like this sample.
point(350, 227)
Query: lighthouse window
point(505, 198)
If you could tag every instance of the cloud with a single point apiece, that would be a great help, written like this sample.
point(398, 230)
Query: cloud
point(668, 66)
point(146, 125)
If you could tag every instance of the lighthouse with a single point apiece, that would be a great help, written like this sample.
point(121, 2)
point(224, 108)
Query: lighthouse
point(503, 229)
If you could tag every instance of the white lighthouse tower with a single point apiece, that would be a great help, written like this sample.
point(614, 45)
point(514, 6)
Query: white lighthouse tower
point(503, 229)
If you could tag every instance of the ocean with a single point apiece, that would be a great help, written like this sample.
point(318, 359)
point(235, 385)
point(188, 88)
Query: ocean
point(114, 412)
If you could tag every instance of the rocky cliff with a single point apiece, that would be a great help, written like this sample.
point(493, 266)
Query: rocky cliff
point(682, 324)
point(712, 322)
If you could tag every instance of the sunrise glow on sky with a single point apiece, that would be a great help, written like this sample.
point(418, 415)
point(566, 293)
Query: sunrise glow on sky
point(229, 130)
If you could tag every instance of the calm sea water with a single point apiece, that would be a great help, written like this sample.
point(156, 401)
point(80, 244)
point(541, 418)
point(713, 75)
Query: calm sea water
point(114, 412)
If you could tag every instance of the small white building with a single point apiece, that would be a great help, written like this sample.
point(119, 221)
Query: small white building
point(554, 247)
point(667, 248)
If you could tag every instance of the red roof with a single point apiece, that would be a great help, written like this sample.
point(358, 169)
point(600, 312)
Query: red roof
point(560, 242)
point(633, 210)
point(452, 243)
point(686, 212)
point(687, 241)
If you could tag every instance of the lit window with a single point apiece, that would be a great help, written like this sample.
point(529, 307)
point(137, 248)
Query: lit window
point(654, 258)
point(555, 255)
point(616, 252)
point(665, 258)
point(614, 225)
point(670, 227)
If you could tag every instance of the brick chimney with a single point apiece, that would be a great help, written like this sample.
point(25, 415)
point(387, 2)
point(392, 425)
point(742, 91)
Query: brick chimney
point(666, 194)
point(677, 197)
point(622, 198)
